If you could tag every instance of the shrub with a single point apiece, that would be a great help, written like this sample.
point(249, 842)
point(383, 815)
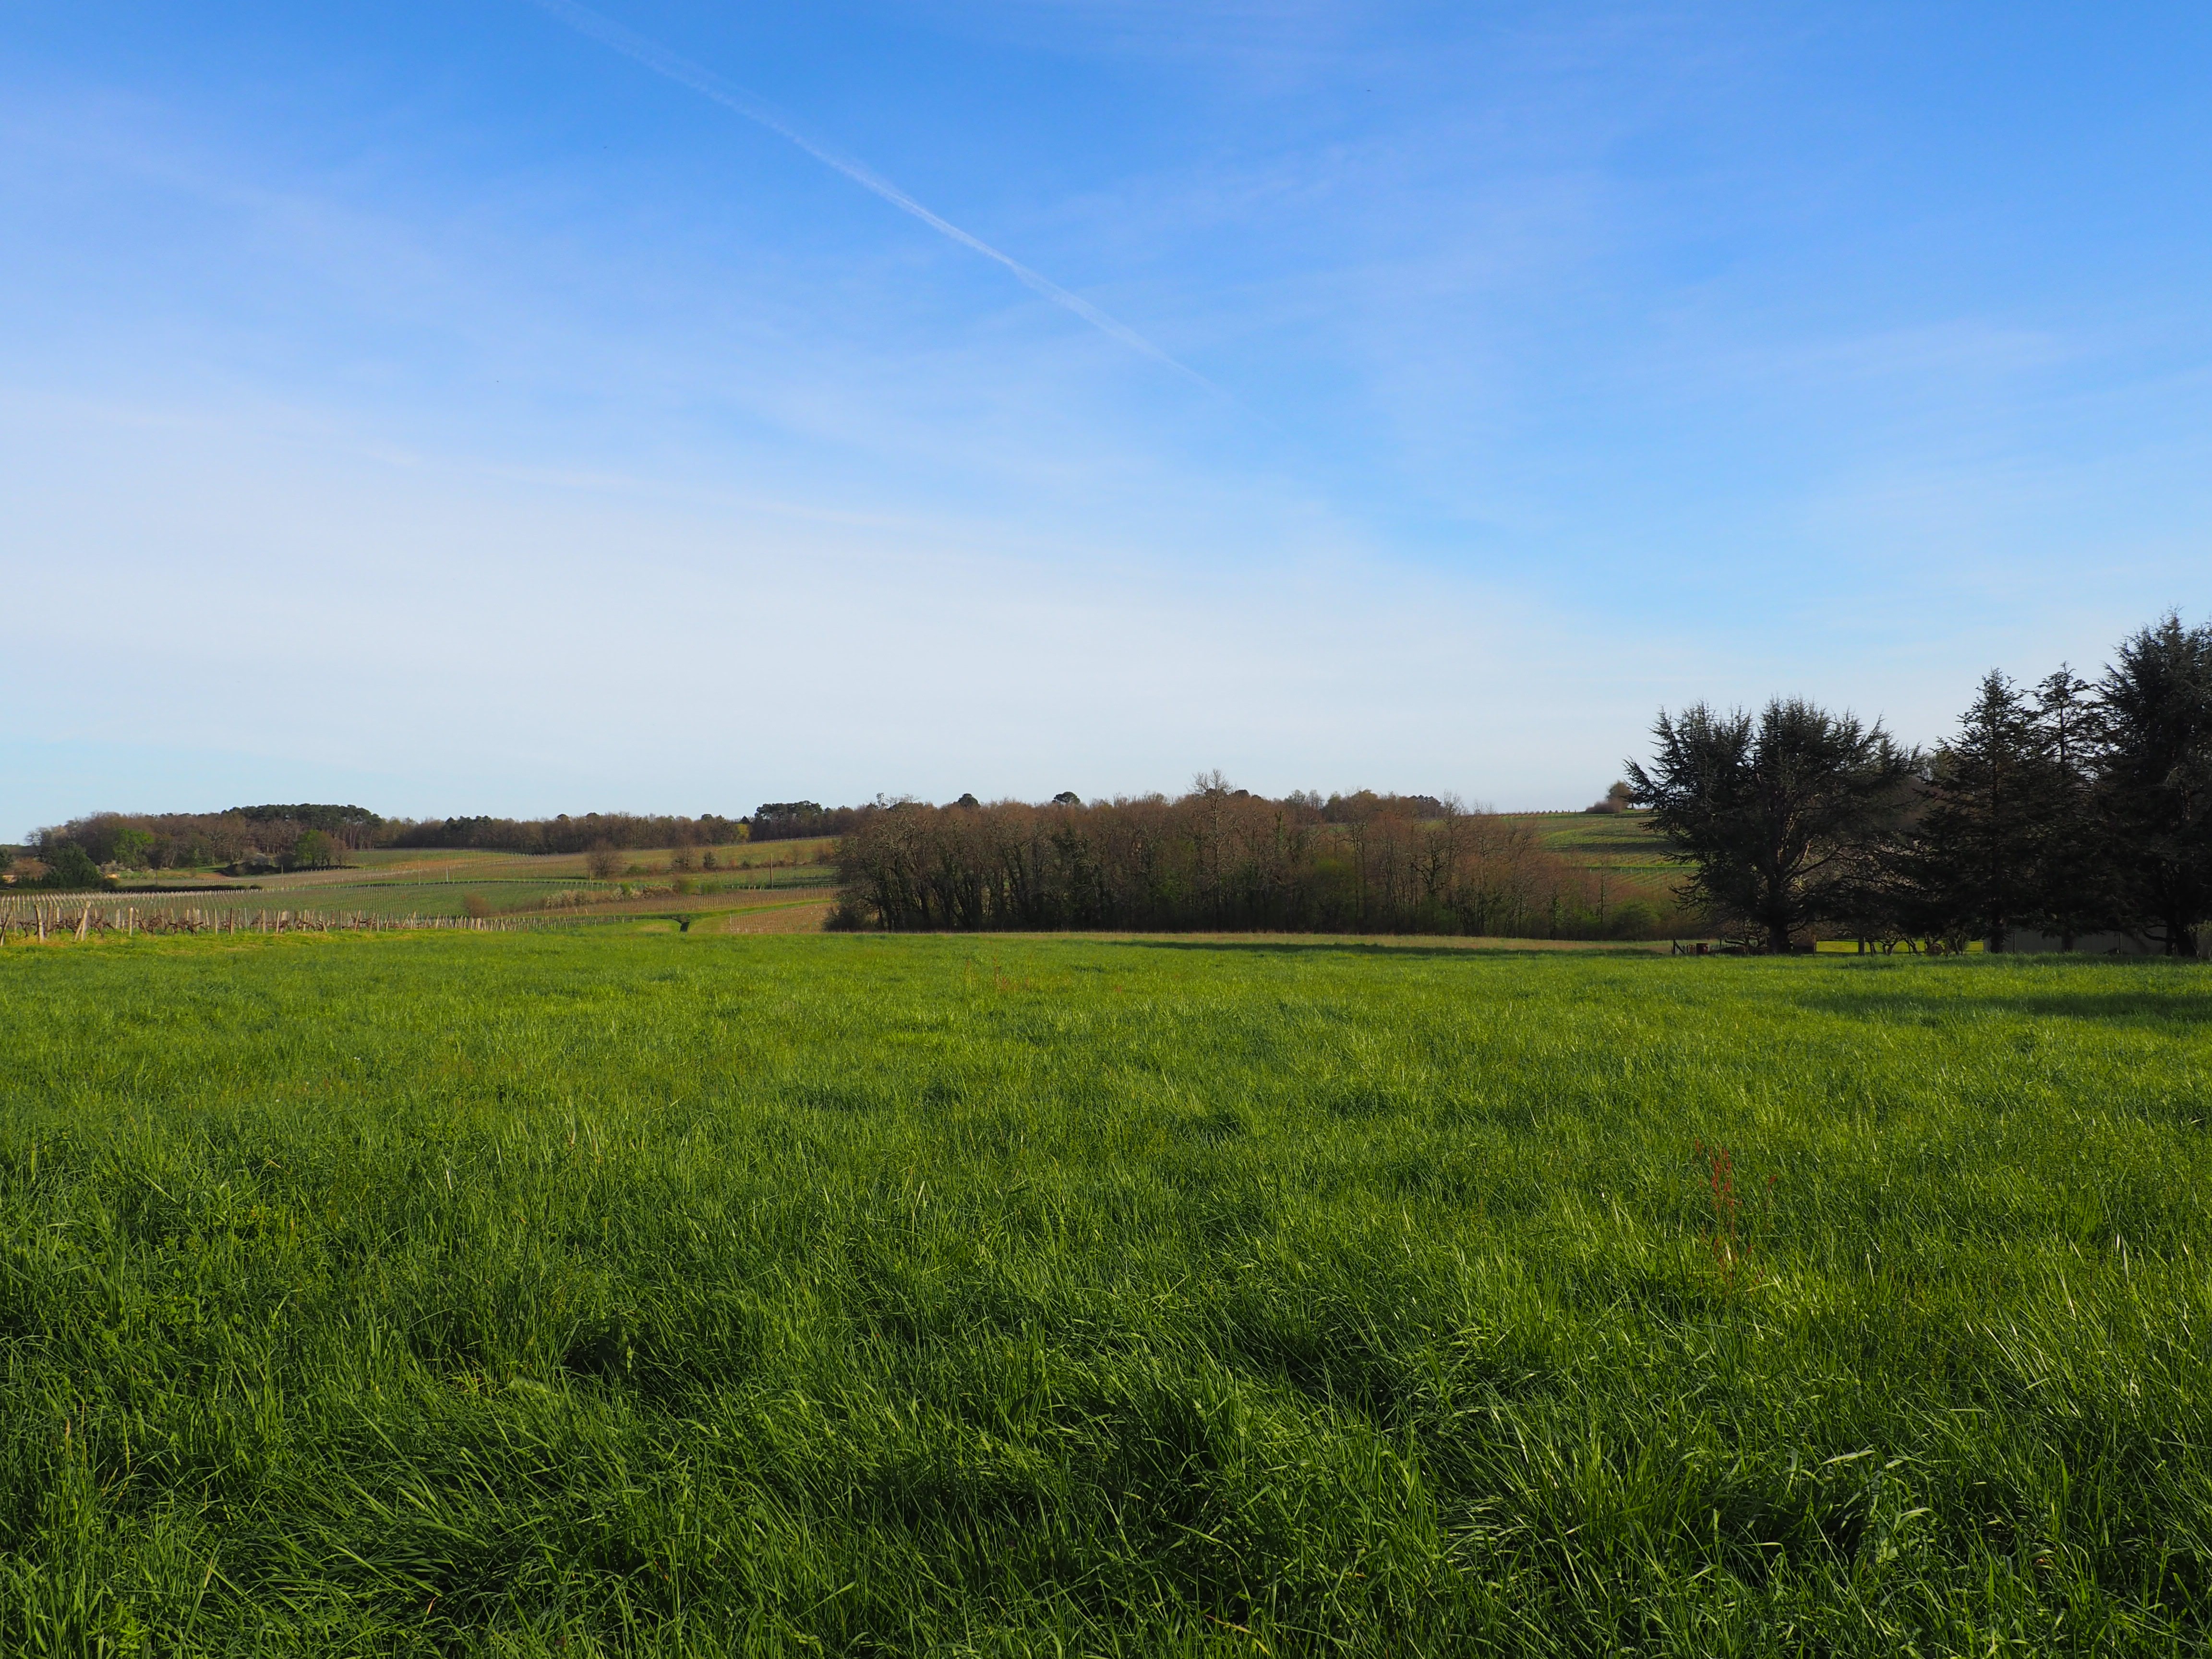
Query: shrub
point(1618, 798)
point(476, 905)
point(70, 868)
point(1633, 918)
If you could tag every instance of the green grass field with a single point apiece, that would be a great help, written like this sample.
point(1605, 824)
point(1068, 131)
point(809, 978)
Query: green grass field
point(395, 882)
point(596, 1293)
point(1625, 839)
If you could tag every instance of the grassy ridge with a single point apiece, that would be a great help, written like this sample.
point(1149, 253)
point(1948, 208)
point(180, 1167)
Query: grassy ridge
point(549, 1293)
point(1599, 839)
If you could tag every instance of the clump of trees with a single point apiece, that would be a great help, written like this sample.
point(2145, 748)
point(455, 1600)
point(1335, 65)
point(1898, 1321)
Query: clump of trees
point(270, 836)
point(314, 850)
point(68, 869)
point(2064, 811)
point(1361, 804)
point(796, 820)
point(1217, 858)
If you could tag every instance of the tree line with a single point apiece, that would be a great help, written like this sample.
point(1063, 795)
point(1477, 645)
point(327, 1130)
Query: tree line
point(1217, 858)
point(300, 836)
point(2071, 809)
point(564, 834)
point(798, 820)
point(2055, 813)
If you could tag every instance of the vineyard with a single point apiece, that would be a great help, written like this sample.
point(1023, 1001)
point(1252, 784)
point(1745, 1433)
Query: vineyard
point(42, 918)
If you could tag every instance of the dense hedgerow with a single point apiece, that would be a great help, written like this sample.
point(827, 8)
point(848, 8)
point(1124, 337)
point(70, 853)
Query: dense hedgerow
point(1218, 858)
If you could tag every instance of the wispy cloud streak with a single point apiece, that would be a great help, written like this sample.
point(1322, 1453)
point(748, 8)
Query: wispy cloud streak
point(706, 84)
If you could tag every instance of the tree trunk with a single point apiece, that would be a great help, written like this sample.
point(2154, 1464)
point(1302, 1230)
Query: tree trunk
point(1778, 938)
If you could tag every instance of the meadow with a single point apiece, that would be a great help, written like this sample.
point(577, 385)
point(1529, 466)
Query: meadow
point(601, 1293)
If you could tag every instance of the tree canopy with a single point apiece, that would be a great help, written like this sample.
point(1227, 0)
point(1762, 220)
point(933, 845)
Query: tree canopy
point(2071, 810)
point(1776, 812)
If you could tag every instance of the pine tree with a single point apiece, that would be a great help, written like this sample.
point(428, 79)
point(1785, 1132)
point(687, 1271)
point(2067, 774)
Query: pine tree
point(2073, 867)
point(2154, 779)
point(1980, 841)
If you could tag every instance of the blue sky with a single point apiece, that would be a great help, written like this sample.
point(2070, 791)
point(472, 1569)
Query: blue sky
point(440, 408)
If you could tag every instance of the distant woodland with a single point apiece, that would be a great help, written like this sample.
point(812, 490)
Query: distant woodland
point(309, 836)
point(300, 836)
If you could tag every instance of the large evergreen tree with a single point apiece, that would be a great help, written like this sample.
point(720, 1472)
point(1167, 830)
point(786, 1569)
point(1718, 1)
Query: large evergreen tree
point(1977, 852)
point(2154, 779)
point(1776, 812)
point(2073, 867)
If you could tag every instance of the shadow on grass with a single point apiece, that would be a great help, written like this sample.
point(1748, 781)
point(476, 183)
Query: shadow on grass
point(1533, 948)
point(2150, 991)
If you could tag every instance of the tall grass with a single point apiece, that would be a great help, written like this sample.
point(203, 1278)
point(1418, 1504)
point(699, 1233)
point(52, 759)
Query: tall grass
point(537, 1294)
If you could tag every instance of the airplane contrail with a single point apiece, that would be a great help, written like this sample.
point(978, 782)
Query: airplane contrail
point(663, 62)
